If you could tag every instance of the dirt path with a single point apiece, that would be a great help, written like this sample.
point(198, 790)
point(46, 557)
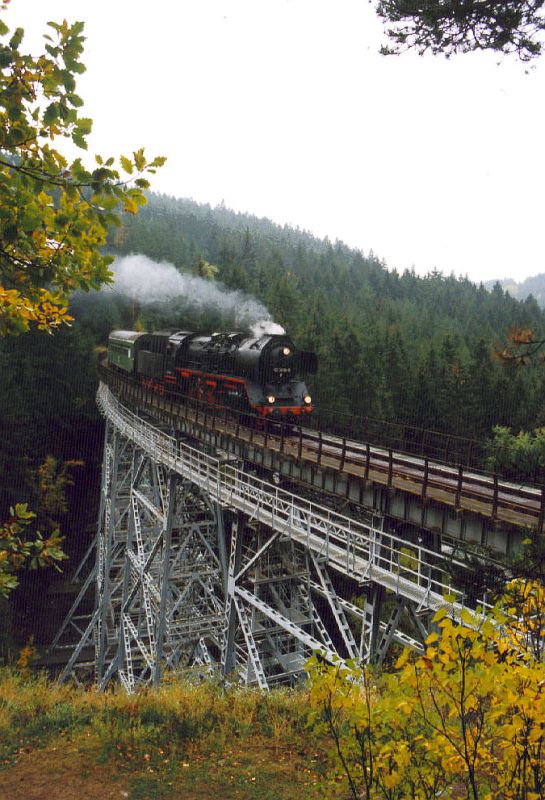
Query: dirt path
point(257, 771)
point(61, 774)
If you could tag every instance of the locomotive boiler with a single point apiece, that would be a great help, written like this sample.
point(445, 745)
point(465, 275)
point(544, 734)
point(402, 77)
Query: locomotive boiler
point(254, 375)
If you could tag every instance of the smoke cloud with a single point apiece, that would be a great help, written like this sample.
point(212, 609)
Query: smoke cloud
point(150, 282)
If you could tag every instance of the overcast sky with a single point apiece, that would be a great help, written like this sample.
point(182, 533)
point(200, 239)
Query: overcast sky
point(283, 108)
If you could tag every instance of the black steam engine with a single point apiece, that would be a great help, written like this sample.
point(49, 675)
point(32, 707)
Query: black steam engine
point(251, 375)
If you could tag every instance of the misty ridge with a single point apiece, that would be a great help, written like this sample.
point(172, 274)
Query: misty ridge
point(179, 296)
point(533, 285)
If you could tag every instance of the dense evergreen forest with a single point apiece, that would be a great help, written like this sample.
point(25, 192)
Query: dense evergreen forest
point(392, 346)
point(395, 347)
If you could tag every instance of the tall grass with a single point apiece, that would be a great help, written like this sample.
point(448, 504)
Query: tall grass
point(154, 722)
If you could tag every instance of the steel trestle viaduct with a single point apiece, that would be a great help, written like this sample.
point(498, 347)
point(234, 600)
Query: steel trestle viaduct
point(223, 547)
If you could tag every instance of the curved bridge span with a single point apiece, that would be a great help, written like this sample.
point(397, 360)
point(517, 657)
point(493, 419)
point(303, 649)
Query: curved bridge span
point(199, 562)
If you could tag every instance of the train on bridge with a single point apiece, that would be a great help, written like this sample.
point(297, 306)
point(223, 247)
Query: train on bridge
point(260, 376)
point(255, 381)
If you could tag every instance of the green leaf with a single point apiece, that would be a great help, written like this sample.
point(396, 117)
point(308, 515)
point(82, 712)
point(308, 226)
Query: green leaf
point(22, 512)
point(77, 28)
point(137, 196)
point(5, 57)
point(50, 114)
point(68, 80)
point(16, 39)
point(64, 111)
point(101, 174)
point(126, 163)
point(75, 99)
point(75, 66)
point(84, 125)
point(139, 159)
point(10, 233)
point(79, 141)
point(31, 219)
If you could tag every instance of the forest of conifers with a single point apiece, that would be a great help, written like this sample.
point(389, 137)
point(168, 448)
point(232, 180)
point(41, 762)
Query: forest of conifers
point(395, 347)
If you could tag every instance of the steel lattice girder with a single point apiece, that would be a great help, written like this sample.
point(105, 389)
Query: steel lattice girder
point(171, 592)
point(158, 575)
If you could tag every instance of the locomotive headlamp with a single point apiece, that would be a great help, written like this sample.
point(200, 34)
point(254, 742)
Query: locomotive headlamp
point(307, 399)
point(286, 351)
point(271, 398)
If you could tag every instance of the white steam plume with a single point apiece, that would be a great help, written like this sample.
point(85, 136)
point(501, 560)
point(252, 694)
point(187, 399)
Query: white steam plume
point(146, 281)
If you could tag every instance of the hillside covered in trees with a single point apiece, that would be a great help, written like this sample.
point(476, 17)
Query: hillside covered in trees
point(392, 346)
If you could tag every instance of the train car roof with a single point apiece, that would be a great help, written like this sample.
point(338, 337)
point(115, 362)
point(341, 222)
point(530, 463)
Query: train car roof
point(127, 336)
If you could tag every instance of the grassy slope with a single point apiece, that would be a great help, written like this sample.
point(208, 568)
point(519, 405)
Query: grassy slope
point(192, 740)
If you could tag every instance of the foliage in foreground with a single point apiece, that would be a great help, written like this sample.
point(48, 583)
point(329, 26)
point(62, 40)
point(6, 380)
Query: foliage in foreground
point(17, 550)
point(54, 218)
point(22, 545)
point(54, 215)
point(466, 718)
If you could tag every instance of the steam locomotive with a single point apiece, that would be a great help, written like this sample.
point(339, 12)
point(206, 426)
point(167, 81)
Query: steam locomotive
point(252, 375)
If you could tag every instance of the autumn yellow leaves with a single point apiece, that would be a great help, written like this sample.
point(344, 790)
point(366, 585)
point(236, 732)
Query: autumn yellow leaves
point(465, 718)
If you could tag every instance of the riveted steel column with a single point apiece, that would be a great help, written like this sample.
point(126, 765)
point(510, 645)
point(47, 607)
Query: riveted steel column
point(167, 539)
point(104, 550)
point(228, 646)
point(371, 623)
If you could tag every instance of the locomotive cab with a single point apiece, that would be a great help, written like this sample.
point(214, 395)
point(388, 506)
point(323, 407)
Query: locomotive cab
point(152, 354)
point(175, 351)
